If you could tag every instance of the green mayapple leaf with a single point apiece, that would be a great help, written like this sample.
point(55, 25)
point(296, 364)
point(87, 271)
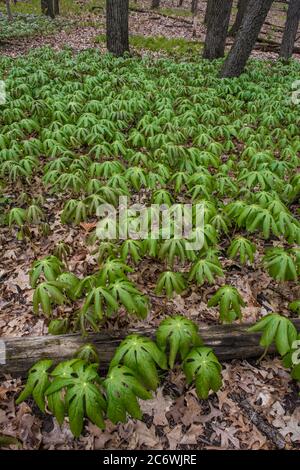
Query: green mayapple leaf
point(295, 306)
point(37, 383)
point(170, 283)
point(142, 356)
point(180, 334)
point(281, 264)
point(230, 302)
point(50, 268)
point(278, 329)
point(242, 248)
point(88, 353)
point(202, 365)
point(83, 396)
point(205, 270)
point(58, 326)
point(122, 390)
point(48, 294)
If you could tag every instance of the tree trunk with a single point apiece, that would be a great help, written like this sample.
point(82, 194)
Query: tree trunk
point(194, 7)
point(246, 37)
point(242, 7)
point(155, 4)
point(17, 355)
point(47, 8)
point(180, 3)
point(290, 30)
point(209, 5)
point(44, 6)
point(56, 7)
point(117, 26)
point(217, 27)
point(194, 11)
point(8, 10)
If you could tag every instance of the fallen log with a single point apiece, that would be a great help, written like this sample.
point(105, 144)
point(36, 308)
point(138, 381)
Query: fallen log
point(228, 341)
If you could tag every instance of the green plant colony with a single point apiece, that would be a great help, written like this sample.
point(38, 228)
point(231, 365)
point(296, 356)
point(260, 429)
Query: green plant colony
point(92, 128)
point(24, 25)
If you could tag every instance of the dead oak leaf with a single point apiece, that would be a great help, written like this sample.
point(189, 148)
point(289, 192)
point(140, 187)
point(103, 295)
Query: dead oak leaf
point(87, 227)
point(226, 436)
point(192, 411)
point(174, 437)
point(102, 437)
point(293, 429)
point(192, 434)
point(146, 436)
point(59, 437)
point(214, 413)
point(157, 407)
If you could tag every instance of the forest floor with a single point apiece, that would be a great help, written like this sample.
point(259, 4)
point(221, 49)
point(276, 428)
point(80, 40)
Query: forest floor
point(258, 406)
point(88, 22)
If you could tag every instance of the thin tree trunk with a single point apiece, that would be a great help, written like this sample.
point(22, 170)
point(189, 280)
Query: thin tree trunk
point(290, 30)
point(47, 8)
point(208, 10)
point(51, 9)
point(195, 11)
point(56, 7)
point(44, 6)
point(246, 37)
point(8, 10)
point(242, 7)
point(117, 26)
point(155, 4)
point(180, 3)
point(217, 27)
point(194, 7)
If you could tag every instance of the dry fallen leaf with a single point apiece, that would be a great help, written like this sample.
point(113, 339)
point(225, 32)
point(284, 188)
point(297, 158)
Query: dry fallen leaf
point(157, 407)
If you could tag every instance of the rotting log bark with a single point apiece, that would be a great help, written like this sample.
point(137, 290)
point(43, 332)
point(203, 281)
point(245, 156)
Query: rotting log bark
point(228, 342)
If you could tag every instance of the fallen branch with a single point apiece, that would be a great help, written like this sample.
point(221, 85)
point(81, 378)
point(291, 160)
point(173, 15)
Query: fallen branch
point(259, 421)
point(159, 13)
point(266, 45)
point(228, 342)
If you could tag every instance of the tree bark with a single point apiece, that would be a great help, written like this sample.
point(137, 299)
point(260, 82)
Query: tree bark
point(180, 3)
point(56, 7)
point(217, 27)
point(47, 8)
point(8, 10)
point(208, 10)
point(44, 5)
point(246, 37)
point(117, 26)
point(194, 11)
point(242, 7)
point(155, 4)
point(194, 7)
point(228, 341)
point(290, 30)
